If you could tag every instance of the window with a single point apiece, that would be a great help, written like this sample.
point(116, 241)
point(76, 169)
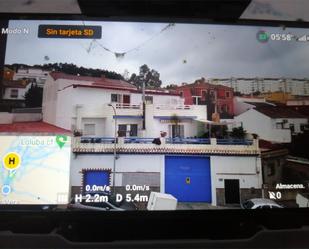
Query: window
point(196, 100)
point(176, 131)
point(227, 94)
point(127, 130)
point(126, 99)
point(89, 129)
point(304, 127)
point(115, 98)
point(149, 100)
point(279, 125)
point(14, 93)
point(292, 128)
point(133, 130)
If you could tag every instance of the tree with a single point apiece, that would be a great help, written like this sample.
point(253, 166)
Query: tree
point(238, 132)
point(150, 77)
point(171, 86)
point(33, 97)
point(71, 69)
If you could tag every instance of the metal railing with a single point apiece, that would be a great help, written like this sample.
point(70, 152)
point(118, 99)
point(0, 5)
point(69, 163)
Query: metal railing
point(97, 140)
point(127, 106)
point(187, 141)
point(173, 107)
point(138, 140)
point(235, 141)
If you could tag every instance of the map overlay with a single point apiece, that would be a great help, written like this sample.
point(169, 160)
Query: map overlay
point(34, 169)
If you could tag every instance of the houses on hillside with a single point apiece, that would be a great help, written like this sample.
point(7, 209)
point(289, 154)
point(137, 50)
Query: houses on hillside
point(93, 106)
point(273, 123)
point(250, 85)
point(217, 98)
point(190, 168)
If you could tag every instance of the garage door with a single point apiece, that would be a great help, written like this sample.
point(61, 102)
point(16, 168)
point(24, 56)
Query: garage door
point(188, 178)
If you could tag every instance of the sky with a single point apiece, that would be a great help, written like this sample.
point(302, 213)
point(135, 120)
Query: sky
point(181, 53)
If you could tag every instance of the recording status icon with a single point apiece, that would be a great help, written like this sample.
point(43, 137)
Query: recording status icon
point(262, 36)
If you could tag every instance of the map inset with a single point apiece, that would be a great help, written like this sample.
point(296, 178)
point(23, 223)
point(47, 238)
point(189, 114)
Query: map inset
point(34, 169)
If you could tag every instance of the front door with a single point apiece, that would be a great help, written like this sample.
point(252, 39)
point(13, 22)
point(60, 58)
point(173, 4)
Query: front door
point(231, 187)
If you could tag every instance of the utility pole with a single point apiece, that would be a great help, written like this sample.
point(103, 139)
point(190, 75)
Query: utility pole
point(144, 105)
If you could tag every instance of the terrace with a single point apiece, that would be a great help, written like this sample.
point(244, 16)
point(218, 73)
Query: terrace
point(168, 146)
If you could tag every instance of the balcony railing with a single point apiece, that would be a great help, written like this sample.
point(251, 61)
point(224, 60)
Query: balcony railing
point(167, 146)
point(188, 141)
point(127, 106)
point(173, 107)
point(138, 140)
point(235, 141)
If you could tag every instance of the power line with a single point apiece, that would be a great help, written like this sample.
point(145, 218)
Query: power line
point(120, 55)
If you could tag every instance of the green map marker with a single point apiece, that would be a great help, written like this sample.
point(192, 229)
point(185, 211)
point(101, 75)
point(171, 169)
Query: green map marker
point(60, 140)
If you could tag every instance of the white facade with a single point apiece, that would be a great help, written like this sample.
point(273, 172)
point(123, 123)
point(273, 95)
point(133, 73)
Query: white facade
point(36, 74)
point(270, 129)
point(151, 169)
point(265, 85)
point(15, 93)
point(86, 109)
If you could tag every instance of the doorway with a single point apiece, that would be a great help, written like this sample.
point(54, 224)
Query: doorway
point(232, 195)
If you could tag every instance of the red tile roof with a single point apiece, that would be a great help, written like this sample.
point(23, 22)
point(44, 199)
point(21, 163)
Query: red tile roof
point(95, 81)
point(206, 85)
point(33, 127)
point(279, 112)
point(15, 83)
point(102, 82)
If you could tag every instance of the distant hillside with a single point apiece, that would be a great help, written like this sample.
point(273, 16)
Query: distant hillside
point(71, 69)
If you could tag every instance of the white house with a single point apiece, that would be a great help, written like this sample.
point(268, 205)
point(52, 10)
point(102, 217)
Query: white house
point(32, 74)
point(210, 173)
point(192, 170)
point(15, 89)
point(272, 123)
point(242, 104)
point(83, 104)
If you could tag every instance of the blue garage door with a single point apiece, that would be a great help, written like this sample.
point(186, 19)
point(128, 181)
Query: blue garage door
point(95, 177)
point(188, 178)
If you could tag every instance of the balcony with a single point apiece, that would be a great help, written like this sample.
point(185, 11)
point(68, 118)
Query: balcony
point(168, 146)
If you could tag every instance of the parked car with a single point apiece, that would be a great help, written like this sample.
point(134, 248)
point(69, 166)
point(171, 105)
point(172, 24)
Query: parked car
point(260, 203)
point(91, 204)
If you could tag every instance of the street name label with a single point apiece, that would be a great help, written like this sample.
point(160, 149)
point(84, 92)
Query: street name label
point(35, 169)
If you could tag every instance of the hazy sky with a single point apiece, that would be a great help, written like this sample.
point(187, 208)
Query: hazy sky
point(182, 53)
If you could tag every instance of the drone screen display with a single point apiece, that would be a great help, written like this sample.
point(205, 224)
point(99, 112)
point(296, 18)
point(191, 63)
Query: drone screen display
point(116, 116)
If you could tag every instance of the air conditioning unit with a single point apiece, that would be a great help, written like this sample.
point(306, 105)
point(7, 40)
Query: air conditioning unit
point(160, 201)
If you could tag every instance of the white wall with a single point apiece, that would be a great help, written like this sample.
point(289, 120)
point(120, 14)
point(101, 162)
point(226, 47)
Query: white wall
point(21, 93)
point(246, 169)
point(125, 163)
point(256, 122)
point(6, 118)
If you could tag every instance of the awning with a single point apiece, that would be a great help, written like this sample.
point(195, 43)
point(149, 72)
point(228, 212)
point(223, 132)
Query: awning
point(225, 122)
